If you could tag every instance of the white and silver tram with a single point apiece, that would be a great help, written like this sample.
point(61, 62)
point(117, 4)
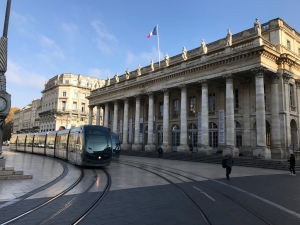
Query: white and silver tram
point(87, 145)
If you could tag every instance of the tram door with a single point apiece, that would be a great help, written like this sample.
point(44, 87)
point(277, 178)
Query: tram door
point(175, 137)
point(213, 136)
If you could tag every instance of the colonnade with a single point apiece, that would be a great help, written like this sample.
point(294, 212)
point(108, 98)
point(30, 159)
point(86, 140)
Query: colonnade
point(203, 144)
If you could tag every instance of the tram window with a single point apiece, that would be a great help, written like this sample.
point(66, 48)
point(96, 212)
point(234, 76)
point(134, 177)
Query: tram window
point(97, 143)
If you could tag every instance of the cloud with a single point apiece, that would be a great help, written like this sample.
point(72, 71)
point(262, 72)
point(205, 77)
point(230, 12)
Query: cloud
point(99, 73)
point(18, 75)
point(106, 41)
point(70, 29)
point(50, 45)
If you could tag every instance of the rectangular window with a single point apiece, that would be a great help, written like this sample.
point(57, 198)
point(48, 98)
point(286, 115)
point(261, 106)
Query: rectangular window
point(175, 107)
point(83, 107)
point(288, 44)
point(75, 94)
point(298, 51)
point(74, 108)
point(66, 81)
point(236, 98)
point(192, 105)
point(74, 118)
point(83, 95)
point(64, 94)
point(161, 109)
point(291, 95)
point(81, 118)
point(75, 82)
point(211, 102)
point(63, 106)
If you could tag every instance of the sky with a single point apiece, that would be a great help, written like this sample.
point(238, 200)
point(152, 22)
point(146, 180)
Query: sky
point(98, 38)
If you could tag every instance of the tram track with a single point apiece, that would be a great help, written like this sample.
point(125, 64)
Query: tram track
point(15, 218)
point(204, 216)
point(174, 174)
point(42, 188)
point(69, 206)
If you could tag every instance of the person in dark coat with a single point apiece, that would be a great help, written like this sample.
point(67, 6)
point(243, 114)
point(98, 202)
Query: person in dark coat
point(229, 164)
point(292, 164)
point(160, 152)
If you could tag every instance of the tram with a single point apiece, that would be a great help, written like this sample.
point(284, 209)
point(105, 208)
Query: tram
point(87, 145)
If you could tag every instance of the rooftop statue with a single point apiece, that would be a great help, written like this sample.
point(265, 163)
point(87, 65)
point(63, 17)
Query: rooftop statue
point(167, 59)
point(152, 65)
point(108, 81)
point(127, 75)
point(228, 38)
point(117, 77)
point(184, 54)
point(257, 27)
point(139, 73)
point(203, 48)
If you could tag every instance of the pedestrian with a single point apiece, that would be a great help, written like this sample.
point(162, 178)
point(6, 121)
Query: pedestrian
point(292, 164)
point(191, 148)
point(160, 152)
point(228, 165)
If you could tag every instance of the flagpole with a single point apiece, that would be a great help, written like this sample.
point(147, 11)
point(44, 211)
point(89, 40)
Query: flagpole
point(158, 47)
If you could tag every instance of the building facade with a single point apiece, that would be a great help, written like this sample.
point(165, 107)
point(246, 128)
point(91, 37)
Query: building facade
point(239, 94)
point(27, 119)
point(64, 101)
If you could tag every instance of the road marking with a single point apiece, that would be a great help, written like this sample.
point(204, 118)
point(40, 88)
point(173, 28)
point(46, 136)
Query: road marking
point(204, 193)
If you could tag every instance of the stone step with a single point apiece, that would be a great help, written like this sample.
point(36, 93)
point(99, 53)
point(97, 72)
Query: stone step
point(6, 168)
point(216, 159)
point(15, 177)
point(10, 172)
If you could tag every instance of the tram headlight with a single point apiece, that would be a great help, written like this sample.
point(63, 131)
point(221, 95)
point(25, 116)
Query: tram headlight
point(99, 157)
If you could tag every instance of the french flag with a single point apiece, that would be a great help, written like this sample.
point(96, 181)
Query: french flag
point(153, 32)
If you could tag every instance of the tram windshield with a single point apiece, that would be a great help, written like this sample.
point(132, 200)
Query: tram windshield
point(97, 140)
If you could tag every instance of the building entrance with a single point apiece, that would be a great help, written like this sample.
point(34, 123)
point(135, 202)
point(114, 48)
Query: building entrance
point(175, 137)
point(213, 136)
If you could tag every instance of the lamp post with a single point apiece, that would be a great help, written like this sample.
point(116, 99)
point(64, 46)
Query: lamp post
point(5, 100)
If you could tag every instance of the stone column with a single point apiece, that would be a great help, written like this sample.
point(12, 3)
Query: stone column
point(166, 146)
point(276, 148)
point(91, 107)
point(230, 146)
point(115, 122)
point(261, 147)
point(297, 82)
point(98, 115)
point(125, 144)
point(137, 146)
point(150, 146)
point(204, 147)
point(286, 75)
point(246, 107)
point(183, 121)
point(106, 115)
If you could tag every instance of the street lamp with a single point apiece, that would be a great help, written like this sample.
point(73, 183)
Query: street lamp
point(5, 100)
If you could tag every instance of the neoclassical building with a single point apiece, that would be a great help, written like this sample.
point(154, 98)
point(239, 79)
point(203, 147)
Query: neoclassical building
point(239, 94)
point(27, 119)
point(64, 101)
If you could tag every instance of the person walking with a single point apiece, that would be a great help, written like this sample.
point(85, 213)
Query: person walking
point(160, 152)
point(292, 164)
point(229, 163)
